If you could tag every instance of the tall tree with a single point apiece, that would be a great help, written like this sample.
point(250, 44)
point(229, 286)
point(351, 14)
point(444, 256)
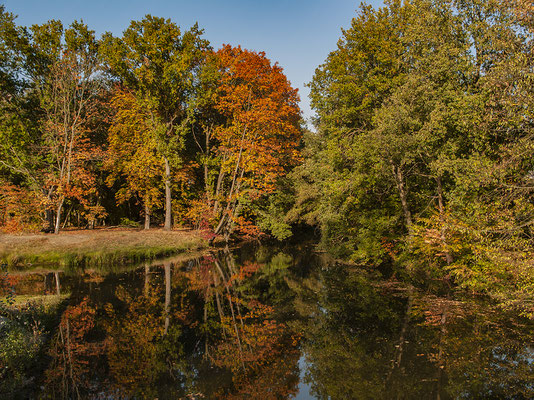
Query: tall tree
point(256, 139)
point(133, 152)
point(50, 147)
point(68, 93)
point(344, 166)
point(161, 66)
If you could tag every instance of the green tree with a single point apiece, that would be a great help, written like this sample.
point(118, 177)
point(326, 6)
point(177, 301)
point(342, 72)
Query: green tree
point(48, 141)
point(422, 150)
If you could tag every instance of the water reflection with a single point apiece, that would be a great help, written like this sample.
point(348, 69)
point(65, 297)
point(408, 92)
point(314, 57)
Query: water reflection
point(275, 324)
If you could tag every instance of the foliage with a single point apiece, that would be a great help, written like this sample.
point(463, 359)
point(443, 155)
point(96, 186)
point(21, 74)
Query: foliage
point(252, 140)
point(23, 330)
point(153, 122)
point(133, 151)
point(19, 209)
point(421, 157)
point(48, 139)
point(160, 65)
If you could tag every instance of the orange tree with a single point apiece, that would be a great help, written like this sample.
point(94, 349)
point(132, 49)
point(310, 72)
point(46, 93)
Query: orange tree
point(254, 136)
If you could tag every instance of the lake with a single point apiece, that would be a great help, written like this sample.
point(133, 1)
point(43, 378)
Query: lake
point(270, 322)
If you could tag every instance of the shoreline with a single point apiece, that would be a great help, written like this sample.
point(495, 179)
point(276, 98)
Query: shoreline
point(95, 248)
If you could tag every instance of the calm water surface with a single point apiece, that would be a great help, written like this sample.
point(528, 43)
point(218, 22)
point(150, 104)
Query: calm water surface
point(273, 323)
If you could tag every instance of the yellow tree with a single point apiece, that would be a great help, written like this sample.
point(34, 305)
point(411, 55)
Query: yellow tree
point(133, 153)
point(161, 65)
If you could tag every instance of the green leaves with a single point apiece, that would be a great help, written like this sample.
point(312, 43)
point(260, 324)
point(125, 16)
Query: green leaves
point(424, 126)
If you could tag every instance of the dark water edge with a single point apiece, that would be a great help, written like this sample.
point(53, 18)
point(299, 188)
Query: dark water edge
point(270, 322)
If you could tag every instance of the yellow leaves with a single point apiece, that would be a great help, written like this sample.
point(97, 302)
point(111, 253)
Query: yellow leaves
point(133, 150)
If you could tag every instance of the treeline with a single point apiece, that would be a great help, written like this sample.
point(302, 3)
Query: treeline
point(423, 155)
point(153, 125)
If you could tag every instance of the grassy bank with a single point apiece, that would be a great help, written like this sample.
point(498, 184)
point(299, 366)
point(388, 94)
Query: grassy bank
point(94, 248)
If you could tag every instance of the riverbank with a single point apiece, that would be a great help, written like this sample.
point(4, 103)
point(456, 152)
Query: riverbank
point(84, 248)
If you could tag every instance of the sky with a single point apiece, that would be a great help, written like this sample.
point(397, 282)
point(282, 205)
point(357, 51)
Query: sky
point(298, 34)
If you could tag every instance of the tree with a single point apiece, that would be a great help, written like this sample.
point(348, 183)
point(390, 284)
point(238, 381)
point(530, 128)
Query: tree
point(18, 126)
point(255, 139)
point(344, 170)
point(67, 96)
point(425, 129)
point(160, 65)
point(51, 148)
point(133, 152)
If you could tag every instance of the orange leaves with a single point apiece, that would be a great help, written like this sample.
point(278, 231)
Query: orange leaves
point(260, 110)
point(200, 214)
point(19, 209)
point(258, 133)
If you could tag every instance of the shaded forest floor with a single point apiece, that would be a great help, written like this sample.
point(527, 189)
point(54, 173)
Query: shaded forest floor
point(84, 248)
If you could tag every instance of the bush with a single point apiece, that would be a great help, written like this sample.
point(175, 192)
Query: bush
point(22, 333)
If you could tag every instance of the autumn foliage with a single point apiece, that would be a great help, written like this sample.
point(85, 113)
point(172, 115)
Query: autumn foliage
point(133, 152)
point(153, 125)
point(255, 138)
point(19, 209)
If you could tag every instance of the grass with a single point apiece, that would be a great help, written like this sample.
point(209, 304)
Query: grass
point(47, 300)
point(98, 248)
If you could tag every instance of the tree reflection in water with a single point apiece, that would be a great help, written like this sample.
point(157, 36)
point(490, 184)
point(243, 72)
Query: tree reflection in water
point(234, 324)
point(370, 339)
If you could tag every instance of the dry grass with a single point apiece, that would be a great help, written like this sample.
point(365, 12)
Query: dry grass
point(98, 247)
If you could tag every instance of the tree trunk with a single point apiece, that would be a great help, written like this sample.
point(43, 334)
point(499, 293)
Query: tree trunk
point(147, 216)
point(221, 224)
point(168, 221)
point(206, 169)
point(58, 217)
point(67, 218)
point(218, 188)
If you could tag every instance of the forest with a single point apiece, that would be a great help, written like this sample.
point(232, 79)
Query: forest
point(420, 160)
point(153, 125)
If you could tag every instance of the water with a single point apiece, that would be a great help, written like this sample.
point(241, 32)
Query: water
point(272, 323)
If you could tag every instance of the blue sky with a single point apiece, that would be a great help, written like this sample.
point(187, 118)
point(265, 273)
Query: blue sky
point(298, 34)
